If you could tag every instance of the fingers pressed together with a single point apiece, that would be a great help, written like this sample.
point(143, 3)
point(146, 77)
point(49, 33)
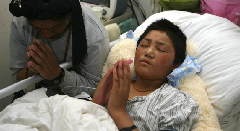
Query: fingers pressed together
point(121, 86)
point(42, 59)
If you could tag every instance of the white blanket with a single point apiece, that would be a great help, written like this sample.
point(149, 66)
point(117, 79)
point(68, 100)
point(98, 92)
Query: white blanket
point(36, 112)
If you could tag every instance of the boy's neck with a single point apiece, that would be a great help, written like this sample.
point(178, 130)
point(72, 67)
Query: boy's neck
point(144, 87)
point(147, 84)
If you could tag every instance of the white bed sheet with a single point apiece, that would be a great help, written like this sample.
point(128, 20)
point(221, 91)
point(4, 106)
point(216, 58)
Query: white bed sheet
point(36, 112)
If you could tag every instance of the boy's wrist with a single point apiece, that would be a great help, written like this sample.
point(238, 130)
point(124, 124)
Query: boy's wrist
point(117, 113)
point(121, 119)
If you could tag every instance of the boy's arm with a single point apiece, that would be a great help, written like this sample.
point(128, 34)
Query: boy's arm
point(119, 96)
point(122, 121)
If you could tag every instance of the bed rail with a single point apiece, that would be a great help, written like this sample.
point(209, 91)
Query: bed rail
point(25, 83)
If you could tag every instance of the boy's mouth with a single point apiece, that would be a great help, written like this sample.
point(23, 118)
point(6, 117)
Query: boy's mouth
point(145, 62)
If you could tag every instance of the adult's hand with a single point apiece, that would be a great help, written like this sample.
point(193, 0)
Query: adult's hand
point(43, 60)
point(29, 58)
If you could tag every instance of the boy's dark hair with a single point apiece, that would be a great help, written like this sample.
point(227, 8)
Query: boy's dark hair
point(176, 35)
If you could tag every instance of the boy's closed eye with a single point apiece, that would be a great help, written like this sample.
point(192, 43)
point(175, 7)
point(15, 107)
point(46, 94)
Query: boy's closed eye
point(144, 45)
point(161, 50)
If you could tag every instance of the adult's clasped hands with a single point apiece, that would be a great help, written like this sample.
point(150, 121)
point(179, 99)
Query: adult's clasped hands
point(42, 60)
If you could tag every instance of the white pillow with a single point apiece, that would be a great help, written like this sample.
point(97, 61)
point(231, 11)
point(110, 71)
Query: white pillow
point(218, 43)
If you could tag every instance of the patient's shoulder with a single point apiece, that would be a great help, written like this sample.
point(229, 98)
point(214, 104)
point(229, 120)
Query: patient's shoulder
point(171, 94)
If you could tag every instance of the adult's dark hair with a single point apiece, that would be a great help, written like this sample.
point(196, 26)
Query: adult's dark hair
point(176, 35)
point(56, 9)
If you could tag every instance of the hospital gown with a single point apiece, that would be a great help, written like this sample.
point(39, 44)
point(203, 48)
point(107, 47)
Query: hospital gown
point(165, 107)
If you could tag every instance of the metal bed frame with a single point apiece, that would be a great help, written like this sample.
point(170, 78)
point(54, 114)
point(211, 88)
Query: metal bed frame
point(27, 82)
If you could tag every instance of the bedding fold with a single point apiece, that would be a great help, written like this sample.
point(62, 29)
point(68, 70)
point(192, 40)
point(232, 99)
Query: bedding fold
point(56, 113)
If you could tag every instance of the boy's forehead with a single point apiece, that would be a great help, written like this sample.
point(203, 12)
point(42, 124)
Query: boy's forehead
point(159, 36)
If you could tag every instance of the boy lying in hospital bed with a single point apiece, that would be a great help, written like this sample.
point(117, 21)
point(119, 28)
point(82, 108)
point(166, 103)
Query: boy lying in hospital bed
point(149, 102)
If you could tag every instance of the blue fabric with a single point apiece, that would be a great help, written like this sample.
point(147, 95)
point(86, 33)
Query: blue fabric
point(188, 68)
point(130, 34)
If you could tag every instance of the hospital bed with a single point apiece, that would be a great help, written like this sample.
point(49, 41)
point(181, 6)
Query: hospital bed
point(218, 52)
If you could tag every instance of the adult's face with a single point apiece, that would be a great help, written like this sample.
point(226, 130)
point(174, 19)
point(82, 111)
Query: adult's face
point(154, 56)
point(50, 29)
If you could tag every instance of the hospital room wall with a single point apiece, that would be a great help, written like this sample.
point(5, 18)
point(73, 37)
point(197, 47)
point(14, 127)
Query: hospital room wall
point(5, 73)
